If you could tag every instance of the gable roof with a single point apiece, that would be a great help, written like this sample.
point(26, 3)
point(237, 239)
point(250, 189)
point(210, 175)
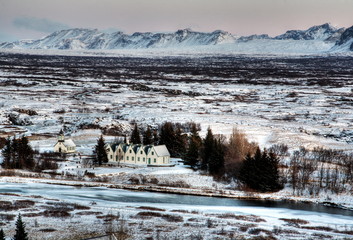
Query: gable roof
point(161, 150)
point(69, 143)
point(136, 147)
point(147, 148)
point(125, 147)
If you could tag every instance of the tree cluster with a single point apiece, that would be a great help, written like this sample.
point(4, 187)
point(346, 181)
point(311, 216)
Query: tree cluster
point(260, 172)
point(170, 134)
point(18, 154)
point(318, 170)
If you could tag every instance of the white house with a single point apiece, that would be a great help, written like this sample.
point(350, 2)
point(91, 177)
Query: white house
point(138, 154)
point(64, 145)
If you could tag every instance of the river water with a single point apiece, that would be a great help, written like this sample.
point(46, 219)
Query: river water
point(117, 198)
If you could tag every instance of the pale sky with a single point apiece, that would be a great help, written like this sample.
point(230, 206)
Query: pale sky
point(32, 19)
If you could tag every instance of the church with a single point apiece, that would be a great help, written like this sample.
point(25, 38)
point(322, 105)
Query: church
point(64, 145)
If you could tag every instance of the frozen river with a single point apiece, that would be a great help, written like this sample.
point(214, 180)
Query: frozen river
point(117, 198)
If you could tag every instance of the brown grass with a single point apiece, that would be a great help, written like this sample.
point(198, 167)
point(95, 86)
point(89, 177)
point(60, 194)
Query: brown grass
point(172, 218)
point(7, 217)
point(56, 213)
point(294, 221)
point(319, 228)
point(148, 215)
point(151, 209)
point(88, 213)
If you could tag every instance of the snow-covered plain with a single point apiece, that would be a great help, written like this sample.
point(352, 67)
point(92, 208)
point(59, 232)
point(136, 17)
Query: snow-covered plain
point(296, 100)
point(299, 101)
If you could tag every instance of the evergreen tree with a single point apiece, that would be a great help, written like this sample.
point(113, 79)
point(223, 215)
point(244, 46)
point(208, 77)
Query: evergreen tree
point(2, 234)
point(147, 136)
point(192, 154)
point(6, 153)
point(167, 137)
point(25, 154)
point(155, 138)
point(135, 136)
point(216, 160)
point(100, 152)
point(260, 172)
point(21, 233)
point(180, 142)
point(207, 149)
point(14, 154)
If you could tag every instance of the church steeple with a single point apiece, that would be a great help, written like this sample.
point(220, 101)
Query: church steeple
point(61, 137)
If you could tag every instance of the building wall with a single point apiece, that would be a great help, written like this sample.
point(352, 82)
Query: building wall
point(139, 158)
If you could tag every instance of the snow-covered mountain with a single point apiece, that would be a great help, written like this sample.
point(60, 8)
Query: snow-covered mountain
point(254, 37)
point(346, 39)
point(93, 39)
point(317, 39)
point(321, 32)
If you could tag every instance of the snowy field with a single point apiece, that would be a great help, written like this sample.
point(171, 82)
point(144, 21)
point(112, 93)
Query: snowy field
point(295, 100)
point(299, 101)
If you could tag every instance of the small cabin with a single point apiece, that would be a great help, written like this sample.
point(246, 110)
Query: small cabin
point(64, 145)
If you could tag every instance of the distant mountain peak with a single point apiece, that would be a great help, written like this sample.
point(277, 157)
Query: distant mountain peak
point(319, 32)
point(346, 38)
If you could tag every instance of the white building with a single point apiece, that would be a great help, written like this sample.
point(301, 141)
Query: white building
point(64, 145)
point(138, 154)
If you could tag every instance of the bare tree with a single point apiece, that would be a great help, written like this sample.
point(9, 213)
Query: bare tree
point(238, 148)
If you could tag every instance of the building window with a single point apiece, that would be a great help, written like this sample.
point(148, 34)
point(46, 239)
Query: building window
point(138, 159)
point(143, 159)
point(116, 158)
point(152, 153)
point(130, 151)
point(155, 160)
point(141, 152)
point(111, 156)
point(119, 150)
point(127, 158)
point(133, 159)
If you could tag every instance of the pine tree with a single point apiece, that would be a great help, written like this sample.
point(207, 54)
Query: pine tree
point(2, 234)
point(25, 153)
point(261, 172)
point(100, 152)
point(216, 160)
point(14, 154)
point(155, 138)
point(6, 153)
point(192, 154)
point(167, 137)
point(207, 149)
point(135, 136)
point(21, 233)
point(147, 136)
point(180, 143)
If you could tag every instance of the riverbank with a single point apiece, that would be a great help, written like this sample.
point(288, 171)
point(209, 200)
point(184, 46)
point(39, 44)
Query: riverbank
point(57, 211)
point(337, 201)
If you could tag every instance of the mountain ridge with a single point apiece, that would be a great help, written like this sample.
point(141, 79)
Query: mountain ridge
point(85, 38)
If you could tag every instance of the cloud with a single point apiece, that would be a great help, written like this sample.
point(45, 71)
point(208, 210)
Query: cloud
point(39, 24)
